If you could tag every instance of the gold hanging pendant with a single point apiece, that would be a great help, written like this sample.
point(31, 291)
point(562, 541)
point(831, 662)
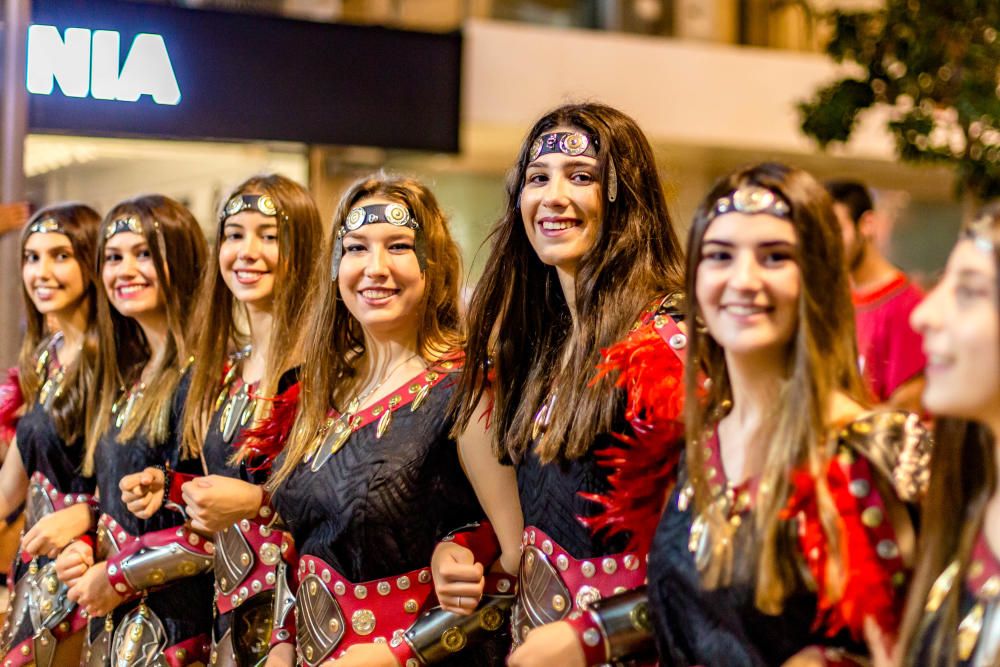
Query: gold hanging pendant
point(126, 410)
point(223, 395)
point(420, 397)
point(353, 406)
point(43, 361)
point(334, 441)
point(968, 632)
point(942, 585)
point(232, 414)
point(384, 422)
point(543, 417)
point(248, 412)
point(43, 393)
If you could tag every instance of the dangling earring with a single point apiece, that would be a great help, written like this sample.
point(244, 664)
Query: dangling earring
point(612, 180)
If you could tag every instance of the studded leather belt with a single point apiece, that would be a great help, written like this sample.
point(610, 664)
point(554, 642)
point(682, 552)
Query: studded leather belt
point(44, 499)
point(552, 583)
point(333, 613)
point(246, 559)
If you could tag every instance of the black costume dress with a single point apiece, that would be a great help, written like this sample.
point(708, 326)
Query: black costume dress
point(578, 544)
point(249, 555)
point(977, 637)
point(183, 606)
point(367, 521)
point(54, 482)
point(697, 626)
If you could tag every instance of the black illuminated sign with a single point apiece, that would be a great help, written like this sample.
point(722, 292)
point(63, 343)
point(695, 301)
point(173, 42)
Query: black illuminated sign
point(102, 68)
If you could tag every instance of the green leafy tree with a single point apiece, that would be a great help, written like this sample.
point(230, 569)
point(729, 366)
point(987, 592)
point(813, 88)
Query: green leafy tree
point(936, 65)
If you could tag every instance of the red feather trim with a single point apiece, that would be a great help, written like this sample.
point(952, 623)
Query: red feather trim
point(643, 468)
point(265, 440)
point(11, 402)
point(868, 589)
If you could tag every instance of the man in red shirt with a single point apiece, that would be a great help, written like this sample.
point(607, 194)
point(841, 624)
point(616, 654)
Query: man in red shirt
point(889, 350)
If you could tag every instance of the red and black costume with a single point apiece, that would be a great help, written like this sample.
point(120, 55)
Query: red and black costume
point(158, 564)
point(880, 462)
point(253, 559)
point(977, 637)
point(366, 510)
point(40, 614)
point(586, 517)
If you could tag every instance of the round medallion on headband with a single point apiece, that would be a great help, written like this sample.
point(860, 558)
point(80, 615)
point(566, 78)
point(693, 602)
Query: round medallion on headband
point(751, 199)
point(263, 204)
point(46, 226)
point(573, 143)
point(126, 224)
point(234, 206)
point(266, 205)
point(396, 214)
point(536, 149)
point(355, 218)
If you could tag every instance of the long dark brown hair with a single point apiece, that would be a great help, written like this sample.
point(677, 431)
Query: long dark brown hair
point(300, 237)
point(519, 320)
point(963, 479)
point(177, 248)
point(821, 360)
point(335, 340)
point(81, 225)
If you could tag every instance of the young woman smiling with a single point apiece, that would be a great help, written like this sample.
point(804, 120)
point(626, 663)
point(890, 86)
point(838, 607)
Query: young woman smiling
point(255, 293)
point(788, 530)
point(952, 610)
point(371, 478)
point(150, 258)
point(584, 252)
point(57, 374)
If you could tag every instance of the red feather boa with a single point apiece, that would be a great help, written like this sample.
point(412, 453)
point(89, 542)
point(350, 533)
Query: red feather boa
point(264, 441)
point(643, 468)
point(868, 589)
point(11, 402)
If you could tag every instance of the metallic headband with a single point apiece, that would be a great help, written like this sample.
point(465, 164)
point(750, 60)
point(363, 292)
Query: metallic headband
point(567, 143)
point(393, 214)
point(752, 200)
point(124, 224)
point(573, 144)
point(263, 204)
point(46, 226)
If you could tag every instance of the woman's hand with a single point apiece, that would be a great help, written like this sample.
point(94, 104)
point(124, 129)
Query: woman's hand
point(54, 531)
point(282, 655)
point(93, 591)
point(882, 647)
point(74, 561)
point(548, 645)
point(142, 492)
point(458, 578)
point(808, 657)
point(365, 655)
point(215, 502)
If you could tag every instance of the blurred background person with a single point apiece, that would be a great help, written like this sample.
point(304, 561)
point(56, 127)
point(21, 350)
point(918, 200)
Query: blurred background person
point(889, 351)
